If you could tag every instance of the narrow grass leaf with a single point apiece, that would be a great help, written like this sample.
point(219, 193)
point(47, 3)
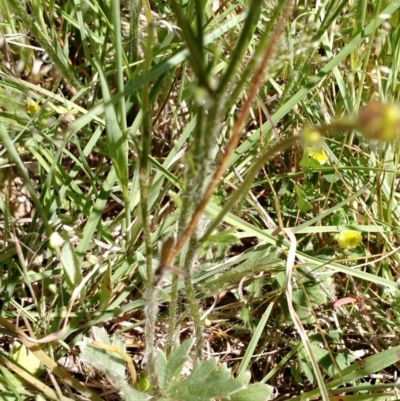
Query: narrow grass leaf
point(71, 265)
point(106, 289)
point(116, 141)
point(254, 339)
point(357, 370)
point(95, 215)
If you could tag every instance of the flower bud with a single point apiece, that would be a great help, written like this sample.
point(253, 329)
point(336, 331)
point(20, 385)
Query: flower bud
point(92, 259)
point(312, 137)
point(381, 121)
point(56, 241)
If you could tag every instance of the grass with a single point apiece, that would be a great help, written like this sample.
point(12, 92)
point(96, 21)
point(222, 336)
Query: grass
point(178, 182)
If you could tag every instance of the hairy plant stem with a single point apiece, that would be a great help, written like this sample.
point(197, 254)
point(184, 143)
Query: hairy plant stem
point(134, 13)
point(237, 130)
point(151, 311)
point(198, 167)
point(190, 294)
point(151, 306)
point(173, 309)
point(198, 172)
point(54, 51)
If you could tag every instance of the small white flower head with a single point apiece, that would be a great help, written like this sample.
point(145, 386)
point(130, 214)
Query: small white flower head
point(56, 241)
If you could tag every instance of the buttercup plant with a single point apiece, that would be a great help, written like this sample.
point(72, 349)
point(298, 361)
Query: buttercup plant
point(181, 134)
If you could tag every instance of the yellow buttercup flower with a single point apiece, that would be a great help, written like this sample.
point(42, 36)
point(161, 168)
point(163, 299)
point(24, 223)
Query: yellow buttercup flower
point(318, 155)
point(349, 239)
point(312, 143)
point(32, 108)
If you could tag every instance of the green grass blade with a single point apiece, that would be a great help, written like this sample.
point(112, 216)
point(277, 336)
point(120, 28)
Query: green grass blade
point(254, 339)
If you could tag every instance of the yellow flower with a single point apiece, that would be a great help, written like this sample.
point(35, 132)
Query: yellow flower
point(318, 155)
point(32, 108)
point(349, 239)
point(68, 114)
point(312, 142)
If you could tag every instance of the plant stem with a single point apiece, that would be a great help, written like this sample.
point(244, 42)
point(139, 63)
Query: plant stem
point(121, 107)
point(173, 307)
point(151, 307)
point(266, 47)
point(237, 55)
point(135, 6)
point(237, 130)
point(196, 58)
point(248, 179)
point(190, 294)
